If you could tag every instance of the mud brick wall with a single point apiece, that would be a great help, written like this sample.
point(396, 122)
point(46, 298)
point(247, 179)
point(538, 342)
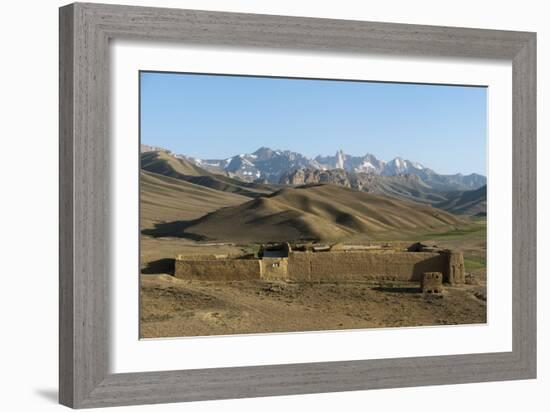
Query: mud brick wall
point(432, 282)
point(299, 266)
point(335, 266)
point(218, 269)
point(361, 265)
point(274, 268)
point(455, 273)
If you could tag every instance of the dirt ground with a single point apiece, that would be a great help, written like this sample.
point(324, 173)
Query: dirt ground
point(175, 307)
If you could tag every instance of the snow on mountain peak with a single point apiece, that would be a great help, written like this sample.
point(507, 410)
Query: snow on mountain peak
point(269, 165)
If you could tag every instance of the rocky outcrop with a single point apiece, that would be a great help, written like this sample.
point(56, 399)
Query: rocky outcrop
point(365, 182)
point(403, 186)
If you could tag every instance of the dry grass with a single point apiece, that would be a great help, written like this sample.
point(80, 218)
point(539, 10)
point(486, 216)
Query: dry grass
point(166, 199)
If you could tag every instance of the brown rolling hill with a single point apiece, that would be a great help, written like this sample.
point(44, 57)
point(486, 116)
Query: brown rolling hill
point(166, 164)
point(166, 199)
point(313, 212)
point(469, 202)
point(405, 186)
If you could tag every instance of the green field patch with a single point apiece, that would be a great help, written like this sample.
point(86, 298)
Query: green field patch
point(250, 249)
point(475, 230)
point(473, 262)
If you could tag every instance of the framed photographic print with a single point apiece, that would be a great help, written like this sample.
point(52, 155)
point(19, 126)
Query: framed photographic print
point(258, 205)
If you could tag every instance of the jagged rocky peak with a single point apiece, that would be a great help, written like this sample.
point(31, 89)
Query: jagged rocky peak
point(340, 159)
point(264, 153)
point(366, 164)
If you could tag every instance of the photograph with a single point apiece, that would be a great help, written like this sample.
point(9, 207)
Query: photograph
point(280, 204)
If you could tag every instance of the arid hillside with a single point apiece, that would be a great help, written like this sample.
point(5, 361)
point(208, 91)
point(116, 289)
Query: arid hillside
point(469, 202)
point(164, 198)
point(163, 163)
point(319, 212)
point(404, 186)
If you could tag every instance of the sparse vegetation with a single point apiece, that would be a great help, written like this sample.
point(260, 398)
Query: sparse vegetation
point(250, 249)
point(477, 228)
point(473, 262)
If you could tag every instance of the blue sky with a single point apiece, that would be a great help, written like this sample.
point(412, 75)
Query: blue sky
point(205, 116)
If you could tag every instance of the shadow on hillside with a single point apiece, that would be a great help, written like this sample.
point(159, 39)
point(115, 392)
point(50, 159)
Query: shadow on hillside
point(166, 266)
point(173, 229)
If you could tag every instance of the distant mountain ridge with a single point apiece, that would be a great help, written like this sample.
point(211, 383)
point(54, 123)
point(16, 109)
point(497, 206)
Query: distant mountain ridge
point(406, 186)
point(266, 165)
point(409, 187)
point(469, 202)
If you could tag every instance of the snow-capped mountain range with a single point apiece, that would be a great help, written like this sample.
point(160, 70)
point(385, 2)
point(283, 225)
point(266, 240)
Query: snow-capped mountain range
point(264, 164)
point(269, 166)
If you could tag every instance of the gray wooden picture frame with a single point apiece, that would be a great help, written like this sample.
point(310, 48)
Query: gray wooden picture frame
point(85, 31)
